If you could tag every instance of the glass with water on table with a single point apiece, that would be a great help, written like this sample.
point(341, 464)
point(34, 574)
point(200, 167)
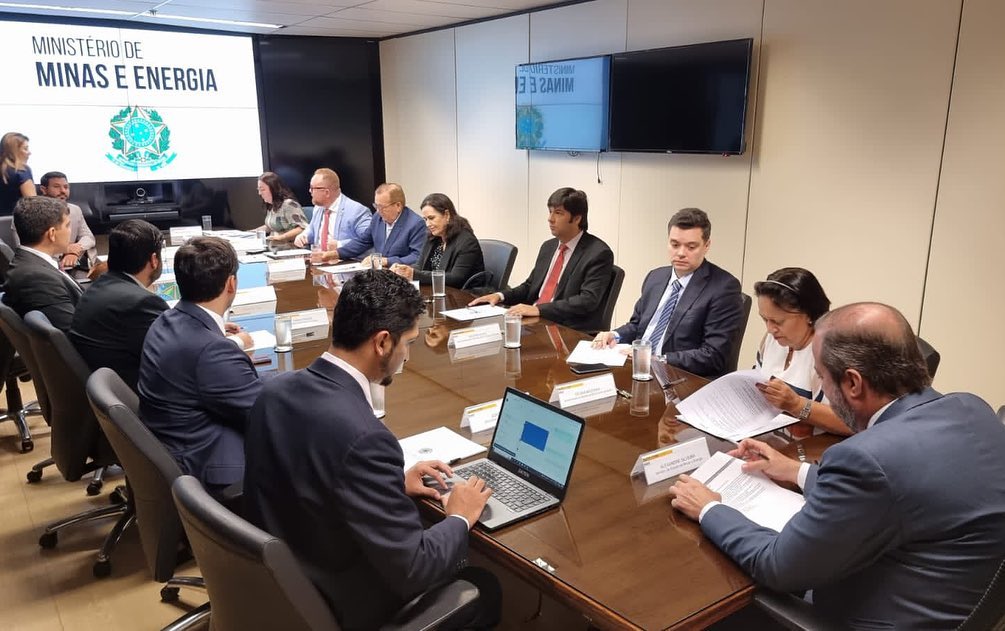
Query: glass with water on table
point(641, 354)
point(316, 253)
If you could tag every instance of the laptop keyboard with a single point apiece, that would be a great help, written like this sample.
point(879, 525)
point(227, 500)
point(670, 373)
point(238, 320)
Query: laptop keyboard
point(513, 492)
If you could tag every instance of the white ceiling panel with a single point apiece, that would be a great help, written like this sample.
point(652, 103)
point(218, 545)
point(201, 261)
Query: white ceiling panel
point(459, 11)
point(393, 17)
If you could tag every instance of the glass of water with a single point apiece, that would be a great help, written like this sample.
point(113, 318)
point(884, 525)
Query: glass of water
point(439, 283)
point(375, 261)
point(512, 323)
point(284, 334)
point(641, 354)
point(207, 222)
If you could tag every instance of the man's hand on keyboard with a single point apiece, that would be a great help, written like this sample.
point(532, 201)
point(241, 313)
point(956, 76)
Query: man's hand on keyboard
point(414, 486)
point(468, 499)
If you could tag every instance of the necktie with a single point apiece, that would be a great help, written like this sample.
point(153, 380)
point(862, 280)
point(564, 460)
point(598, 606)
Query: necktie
point(324, 229)
point(656, 341)
point(548, 291)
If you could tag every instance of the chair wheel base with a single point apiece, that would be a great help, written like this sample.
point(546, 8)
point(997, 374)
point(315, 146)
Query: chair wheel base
point(34, 476)
point(116, 498)
point(102, 569)
point(48, 540)
point(169, 594)
point(27, 445)
point(94, 487)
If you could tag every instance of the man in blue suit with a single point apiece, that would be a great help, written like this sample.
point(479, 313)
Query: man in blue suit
point(904, 522)
point(196, 385)
point(337, 220)
point(334, 487)
point(690, 311)
point(397, 233)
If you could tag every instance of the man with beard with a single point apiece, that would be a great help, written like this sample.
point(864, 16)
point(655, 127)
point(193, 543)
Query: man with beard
point(904, 522)
point(328, 478)
point(81, 251)
point(113, 316)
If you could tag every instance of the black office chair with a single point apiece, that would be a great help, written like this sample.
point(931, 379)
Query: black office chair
point(255, 582)
point(150, 471)
point(737, 341)
point(499, 259)
point(1001, 413)
point(16, 335)
point(7, 233)
point(932, 357)
point(610, 299)
point(78, 446)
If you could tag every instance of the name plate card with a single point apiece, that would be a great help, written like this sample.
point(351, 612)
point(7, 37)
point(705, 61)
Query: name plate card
point(666, 462)
point(473, 336)
point(584, 390)
point(482, 416)
point(180, 236)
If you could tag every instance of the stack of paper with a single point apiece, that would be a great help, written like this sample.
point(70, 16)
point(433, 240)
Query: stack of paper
point(584, 353)
point(465, 314)
point(437, 444)
point(731, 407)
point(343, 268)
point(282, 254)
point(753, 494)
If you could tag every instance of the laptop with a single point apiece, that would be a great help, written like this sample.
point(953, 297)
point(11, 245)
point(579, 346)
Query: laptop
point(529, 462)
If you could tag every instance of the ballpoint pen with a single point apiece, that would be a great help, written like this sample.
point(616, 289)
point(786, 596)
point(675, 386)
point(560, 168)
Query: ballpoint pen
point(625, 394)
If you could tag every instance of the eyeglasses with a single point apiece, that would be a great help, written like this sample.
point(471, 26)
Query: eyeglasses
point(318, 188)
point(380, 207)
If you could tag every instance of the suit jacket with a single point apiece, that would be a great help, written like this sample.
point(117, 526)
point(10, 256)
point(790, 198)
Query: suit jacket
point(904, 523)
point(196, 388)
point(462, 259)
point(581, 288)
point(708, 314)
point(33, 284)
point(111, 322)
point(333, 489)
point(352, 221)
point(81, 234)
point(402, 246)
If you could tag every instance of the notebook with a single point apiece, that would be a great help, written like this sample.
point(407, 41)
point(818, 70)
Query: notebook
point(529, 462)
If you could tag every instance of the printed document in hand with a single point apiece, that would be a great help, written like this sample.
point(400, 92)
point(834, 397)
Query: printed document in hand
point(584, 353)
point(437, 444)
point(477, 312)
point(731, 407)
point(753, 494)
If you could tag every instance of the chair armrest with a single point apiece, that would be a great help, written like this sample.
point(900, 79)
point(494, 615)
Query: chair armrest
point(481, 279)
point(429, 610)
point(793, 613)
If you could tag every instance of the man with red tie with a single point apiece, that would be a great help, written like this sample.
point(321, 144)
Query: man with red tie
point(572, 272)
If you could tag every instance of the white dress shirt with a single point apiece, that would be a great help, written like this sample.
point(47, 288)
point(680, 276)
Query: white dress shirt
point(651, 327)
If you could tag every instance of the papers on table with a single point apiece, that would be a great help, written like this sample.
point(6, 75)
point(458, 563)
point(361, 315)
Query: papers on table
point(464, 314)
point(437, 444)
point(246, 259)
point(261, 340)
point(282, 254)
point(584, 353)
point(732, 407)
point(343, 268)
point(753, 494)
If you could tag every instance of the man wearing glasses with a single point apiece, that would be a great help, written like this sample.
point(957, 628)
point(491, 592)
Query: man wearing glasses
point(337, 220)
point(397, 233)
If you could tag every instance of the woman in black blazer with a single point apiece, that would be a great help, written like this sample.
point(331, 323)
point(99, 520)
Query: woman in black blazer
point(451, 246)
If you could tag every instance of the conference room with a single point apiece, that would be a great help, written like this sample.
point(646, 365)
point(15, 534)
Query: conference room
point(867, 156)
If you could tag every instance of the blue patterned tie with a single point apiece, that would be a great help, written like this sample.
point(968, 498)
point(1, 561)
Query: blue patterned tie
point(661, 325)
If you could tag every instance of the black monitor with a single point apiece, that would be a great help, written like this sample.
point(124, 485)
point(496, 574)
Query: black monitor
point(683, 99)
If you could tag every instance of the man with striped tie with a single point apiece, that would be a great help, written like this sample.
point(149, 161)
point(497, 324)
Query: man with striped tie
point(572, 272)
point(690, 310)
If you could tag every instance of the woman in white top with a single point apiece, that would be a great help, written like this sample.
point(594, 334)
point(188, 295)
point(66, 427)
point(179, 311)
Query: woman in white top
point(789, 302)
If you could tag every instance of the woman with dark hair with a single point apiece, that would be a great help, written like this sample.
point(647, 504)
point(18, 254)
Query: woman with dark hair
point(15, 176)
point(790, 301)
point(451, 246)
point(284, 218)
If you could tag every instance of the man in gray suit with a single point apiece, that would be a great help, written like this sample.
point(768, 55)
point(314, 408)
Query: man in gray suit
point(904, 522)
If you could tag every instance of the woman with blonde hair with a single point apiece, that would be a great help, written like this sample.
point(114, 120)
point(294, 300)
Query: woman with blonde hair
point(15, 176)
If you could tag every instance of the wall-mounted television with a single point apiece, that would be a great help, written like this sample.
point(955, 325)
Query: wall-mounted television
point(563, 105)
point(683, 99)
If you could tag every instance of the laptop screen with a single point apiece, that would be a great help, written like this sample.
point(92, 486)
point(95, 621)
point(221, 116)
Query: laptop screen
point(535, 437)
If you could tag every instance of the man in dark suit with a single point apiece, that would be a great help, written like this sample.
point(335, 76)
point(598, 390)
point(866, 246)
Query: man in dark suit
point(690, 311)
point(196, 385)
point(334, 487)
point(572, 272)
point(34, 280)
point(113, 316)
point(904, 522)
point(397, 233)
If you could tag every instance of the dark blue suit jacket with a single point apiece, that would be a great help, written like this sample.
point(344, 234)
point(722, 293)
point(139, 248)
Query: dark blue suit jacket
point(196, 388)
point(700, 333)
point(403, 246)
point(332, 486)
point(904, 523)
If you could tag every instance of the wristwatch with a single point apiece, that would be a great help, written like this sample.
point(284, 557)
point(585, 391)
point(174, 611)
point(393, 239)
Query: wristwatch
point(805, 412)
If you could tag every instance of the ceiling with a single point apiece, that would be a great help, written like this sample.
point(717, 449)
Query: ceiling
point(326, 18)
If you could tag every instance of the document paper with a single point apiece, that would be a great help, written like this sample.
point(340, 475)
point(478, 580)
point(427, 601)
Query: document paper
point(477, 312)
point(584, 353)
point(731, 407)
point(437, 444)
point(753, 494)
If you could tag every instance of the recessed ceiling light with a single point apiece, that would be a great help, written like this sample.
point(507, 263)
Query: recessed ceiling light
point(166, 16)
point(53, 7)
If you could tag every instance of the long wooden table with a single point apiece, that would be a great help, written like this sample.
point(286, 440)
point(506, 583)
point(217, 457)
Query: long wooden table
point(616, 550)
